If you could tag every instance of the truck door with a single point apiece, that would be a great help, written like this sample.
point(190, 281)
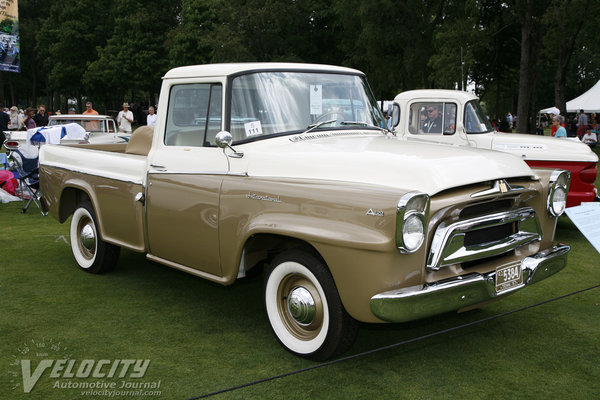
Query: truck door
point(184, 180)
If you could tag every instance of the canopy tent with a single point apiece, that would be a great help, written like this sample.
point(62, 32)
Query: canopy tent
point(588, 102)
point(549, 110)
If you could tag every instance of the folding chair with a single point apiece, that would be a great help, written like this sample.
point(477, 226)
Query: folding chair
point(27, 170)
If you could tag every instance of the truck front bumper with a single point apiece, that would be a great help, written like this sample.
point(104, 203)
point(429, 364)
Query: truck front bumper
point(408, 304)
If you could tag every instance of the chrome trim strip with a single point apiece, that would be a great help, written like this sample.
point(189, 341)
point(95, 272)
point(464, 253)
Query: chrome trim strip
point(93, 173)
point(171, 172)
point(409, 304)
point(448, 246)
point(202, 274)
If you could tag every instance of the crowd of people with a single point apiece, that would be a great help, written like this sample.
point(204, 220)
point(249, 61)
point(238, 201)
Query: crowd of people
point(580, 126)
point(13, 118)
point(585, 128)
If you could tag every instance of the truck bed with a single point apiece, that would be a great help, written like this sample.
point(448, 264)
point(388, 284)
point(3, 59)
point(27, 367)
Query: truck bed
point(103, 160)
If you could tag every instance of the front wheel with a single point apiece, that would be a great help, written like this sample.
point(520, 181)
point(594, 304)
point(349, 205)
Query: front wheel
point(91, 253)
point(304, 308)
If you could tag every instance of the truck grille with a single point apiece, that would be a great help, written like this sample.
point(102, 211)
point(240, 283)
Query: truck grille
point(475, 236)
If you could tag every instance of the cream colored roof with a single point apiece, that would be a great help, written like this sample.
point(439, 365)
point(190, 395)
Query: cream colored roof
point(235, 68)
point(435, 94)
point(78, 117)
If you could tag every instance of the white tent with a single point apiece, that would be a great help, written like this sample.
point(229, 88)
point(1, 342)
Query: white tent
point(588, 102)
point(549, 110)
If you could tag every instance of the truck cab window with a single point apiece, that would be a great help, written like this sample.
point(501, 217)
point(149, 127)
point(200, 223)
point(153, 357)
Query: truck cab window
point(432, 118)
point(193, 115)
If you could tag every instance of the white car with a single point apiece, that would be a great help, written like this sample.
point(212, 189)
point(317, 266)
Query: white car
point(98, 129)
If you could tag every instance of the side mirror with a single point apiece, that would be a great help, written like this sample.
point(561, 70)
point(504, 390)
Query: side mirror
point(223, 139)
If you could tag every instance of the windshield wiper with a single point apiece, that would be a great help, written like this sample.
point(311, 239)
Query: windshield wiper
point(315, 126)
point(358, 123)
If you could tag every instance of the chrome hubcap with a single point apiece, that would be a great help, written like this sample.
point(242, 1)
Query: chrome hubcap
point(87, 239)
point(301, 305)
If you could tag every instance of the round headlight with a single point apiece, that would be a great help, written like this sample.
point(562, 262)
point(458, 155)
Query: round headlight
point(558, 202)
point(413, 232)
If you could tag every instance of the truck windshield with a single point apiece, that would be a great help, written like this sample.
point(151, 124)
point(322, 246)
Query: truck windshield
point(475, 119)
point(268, 103)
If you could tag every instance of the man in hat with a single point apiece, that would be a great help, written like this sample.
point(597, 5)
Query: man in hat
point(125, 119)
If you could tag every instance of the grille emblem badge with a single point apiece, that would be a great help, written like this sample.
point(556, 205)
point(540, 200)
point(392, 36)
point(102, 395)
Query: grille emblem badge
point(498, 187)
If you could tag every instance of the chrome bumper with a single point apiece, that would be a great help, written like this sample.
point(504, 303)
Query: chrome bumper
point(408, 304)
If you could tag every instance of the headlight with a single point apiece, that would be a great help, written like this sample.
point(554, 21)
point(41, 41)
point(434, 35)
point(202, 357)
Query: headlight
point(411, 219)
point(557, 193)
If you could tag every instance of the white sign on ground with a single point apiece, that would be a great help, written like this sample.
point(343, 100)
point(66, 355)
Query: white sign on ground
point(586, 218)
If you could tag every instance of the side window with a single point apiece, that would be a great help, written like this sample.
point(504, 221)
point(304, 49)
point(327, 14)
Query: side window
point(432, 118)
point(449, 118)
point(193, 115)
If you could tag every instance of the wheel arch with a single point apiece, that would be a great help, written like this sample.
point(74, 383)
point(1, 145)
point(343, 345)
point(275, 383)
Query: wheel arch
point(261, 248)
point(71, 196)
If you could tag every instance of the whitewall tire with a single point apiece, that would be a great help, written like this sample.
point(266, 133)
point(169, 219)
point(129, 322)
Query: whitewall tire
point(91, 253)
point(304, 308)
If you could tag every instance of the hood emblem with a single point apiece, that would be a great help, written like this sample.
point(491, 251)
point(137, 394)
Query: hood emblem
point(375, 213)
point(498, 187)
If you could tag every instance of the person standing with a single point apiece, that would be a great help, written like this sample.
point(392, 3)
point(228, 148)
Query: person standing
point(28, 120)
point(15, 119)
point(41, 118)
point(125, 119)
point(89, 109)
point(561, 132)
point(582, 123)
point(151, 118)
point(90, 126)
point(4, 121)
point(509, 119)
point(554, 112)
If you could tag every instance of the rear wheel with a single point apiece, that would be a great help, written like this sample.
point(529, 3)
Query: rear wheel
point(91, 253)
point(304, 308)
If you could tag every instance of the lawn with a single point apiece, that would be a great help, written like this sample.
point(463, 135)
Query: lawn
point(201, 337)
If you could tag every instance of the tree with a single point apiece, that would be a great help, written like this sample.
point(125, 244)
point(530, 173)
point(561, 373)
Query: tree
point(133, 60)
point(67, 41)
point(566, 19)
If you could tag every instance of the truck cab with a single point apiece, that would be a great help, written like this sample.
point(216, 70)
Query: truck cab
point(457, 118)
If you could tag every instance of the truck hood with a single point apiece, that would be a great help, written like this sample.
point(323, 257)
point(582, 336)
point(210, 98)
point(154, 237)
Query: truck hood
point(375, 159)
point(535, 147)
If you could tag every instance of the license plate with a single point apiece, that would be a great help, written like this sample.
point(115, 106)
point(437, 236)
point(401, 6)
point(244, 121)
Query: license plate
point(508, 277)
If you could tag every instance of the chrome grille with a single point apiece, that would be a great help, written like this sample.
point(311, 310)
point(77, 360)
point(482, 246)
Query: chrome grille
point(477, 237)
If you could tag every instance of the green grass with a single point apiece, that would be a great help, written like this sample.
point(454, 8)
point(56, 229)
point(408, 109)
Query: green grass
point(202, 337)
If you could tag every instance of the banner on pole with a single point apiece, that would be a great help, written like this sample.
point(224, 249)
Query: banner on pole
point(10, 59)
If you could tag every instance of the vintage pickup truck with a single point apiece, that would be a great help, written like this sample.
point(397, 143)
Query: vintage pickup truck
point(463, 122)
point(289, 166)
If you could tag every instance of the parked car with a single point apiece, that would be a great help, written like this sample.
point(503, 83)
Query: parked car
point(99, 129)
point(290, 166)
point(463, 122)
